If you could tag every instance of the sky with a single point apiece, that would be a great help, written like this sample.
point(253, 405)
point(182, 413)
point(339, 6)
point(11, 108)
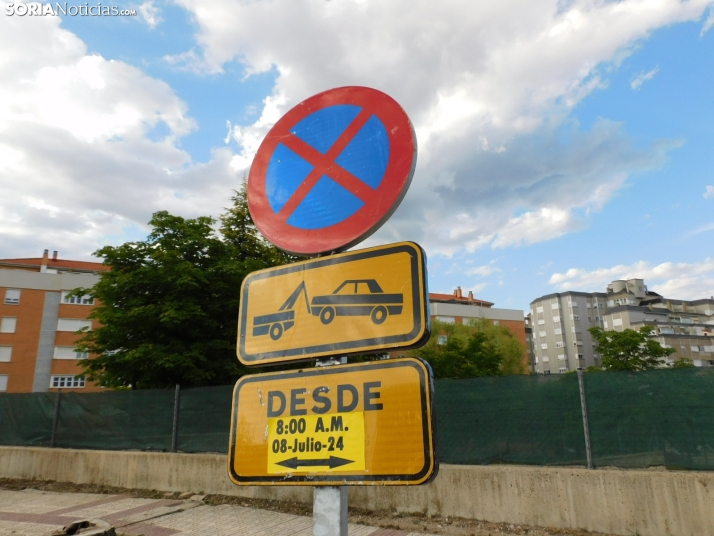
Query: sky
point(562, 143)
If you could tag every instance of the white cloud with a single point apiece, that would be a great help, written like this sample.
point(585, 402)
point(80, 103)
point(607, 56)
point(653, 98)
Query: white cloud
point(702, 229)
point(709, 192)
point(150, 14)
point(682, 281)
point(489, 87)
point(484, 270)
point(479, 80)
point(89, 146)
point(641, 78)
point(708, 23)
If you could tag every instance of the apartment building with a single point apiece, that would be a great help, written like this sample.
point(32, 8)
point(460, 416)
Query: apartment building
point(38, 321)
point(460, 309)
point(530, 343)
point(560, 321)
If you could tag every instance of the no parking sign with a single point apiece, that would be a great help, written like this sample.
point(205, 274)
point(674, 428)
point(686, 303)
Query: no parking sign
point(332, 170)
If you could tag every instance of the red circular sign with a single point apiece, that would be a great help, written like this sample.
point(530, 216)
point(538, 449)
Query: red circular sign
point(332, 170)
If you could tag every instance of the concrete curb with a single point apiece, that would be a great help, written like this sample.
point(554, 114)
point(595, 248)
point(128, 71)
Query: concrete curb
point(648, 503)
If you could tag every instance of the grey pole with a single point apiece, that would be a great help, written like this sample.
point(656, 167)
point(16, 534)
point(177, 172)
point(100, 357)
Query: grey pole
point(55, 418)
point(586, 425)
point(329, 503)
point(329, 511)
point(174, 431)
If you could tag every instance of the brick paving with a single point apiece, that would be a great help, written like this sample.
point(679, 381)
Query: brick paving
point(40, 513)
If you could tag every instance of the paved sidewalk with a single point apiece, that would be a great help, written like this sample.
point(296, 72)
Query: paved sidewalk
point(40, 513)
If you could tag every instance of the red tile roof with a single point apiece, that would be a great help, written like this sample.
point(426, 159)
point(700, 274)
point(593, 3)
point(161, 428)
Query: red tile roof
point(85, 266)
point(450, 298)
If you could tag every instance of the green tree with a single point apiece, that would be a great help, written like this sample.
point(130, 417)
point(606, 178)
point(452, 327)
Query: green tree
point(471, 350)
point(238, 229)
point(629, 350)
point(683, 362)
point(168, 309)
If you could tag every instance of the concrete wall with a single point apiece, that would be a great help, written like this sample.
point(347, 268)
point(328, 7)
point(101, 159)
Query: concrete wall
point(648, 503)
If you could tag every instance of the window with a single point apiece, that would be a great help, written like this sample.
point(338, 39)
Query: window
point(5, 354)
point(496, 322)
point(544, 346)
point(573, 304)
point(541, 333)
point(546, 372)
point(562, 370)
point(558, 344)
point(68, 352)
point(581, 356)
point(561, 357)
point(558, 331)
point(3, 382)
point(541, 322)
point(57, 382)
point(539, 308)
point(77, 300)
point(587, 304)
point(575, 317)
point(545, 359)
point(556, 319)
point(616, 322)
point(71, 324)
point(12, 297)
point(446, 319)
point(441, 339)
point(8, 324)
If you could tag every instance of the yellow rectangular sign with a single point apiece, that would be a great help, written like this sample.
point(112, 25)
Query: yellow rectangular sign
point(355, 302)
point(357, 424)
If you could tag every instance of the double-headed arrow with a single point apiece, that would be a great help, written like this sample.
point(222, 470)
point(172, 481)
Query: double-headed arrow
point(331, 462)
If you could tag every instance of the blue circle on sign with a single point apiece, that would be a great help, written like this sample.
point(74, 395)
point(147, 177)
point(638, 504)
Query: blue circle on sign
point(328, 202)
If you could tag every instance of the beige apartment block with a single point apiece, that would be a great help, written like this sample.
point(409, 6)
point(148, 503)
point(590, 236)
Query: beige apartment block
point(560, 323)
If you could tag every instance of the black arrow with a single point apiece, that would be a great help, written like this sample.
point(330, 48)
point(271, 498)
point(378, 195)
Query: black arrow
point(331, 462)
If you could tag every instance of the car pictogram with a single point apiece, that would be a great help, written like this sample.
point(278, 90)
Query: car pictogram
point(357, 297)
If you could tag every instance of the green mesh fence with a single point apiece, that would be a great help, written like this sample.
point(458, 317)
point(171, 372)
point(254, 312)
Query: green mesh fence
point(659, 417)
point(205, 419)
point(513, 419)
point(116, 420)
point(662, 417)
point(26, 419)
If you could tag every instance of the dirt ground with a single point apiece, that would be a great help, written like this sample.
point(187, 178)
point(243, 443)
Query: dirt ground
point(387, 520)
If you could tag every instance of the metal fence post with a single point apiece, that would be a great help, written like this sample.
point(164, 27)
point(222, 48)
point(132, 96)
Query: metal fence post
point(586, 425)
point(174, 432)
point(55, 418)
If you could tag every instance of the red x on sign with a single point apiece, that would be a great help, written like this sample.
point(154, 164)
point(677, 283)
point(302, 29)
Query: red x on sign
point(332, 170)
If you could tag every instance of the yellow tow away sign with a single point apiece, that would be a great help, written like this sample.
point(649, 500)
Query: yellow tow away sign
point(356, 302)
point(357, 424)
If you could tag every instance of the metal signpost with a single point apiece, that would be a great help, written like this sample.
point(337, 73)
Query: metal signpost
point(328, 174)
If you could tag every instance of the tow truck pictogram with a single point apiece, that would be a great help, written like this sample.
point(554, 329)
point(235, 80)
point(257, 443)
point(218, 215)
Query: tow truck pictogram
point(276, 323)
point(354, 297)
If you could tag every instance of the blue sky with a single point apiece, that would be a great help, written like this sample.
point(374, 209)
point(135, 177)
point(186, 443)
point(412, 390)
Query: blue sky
point(562, 145)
